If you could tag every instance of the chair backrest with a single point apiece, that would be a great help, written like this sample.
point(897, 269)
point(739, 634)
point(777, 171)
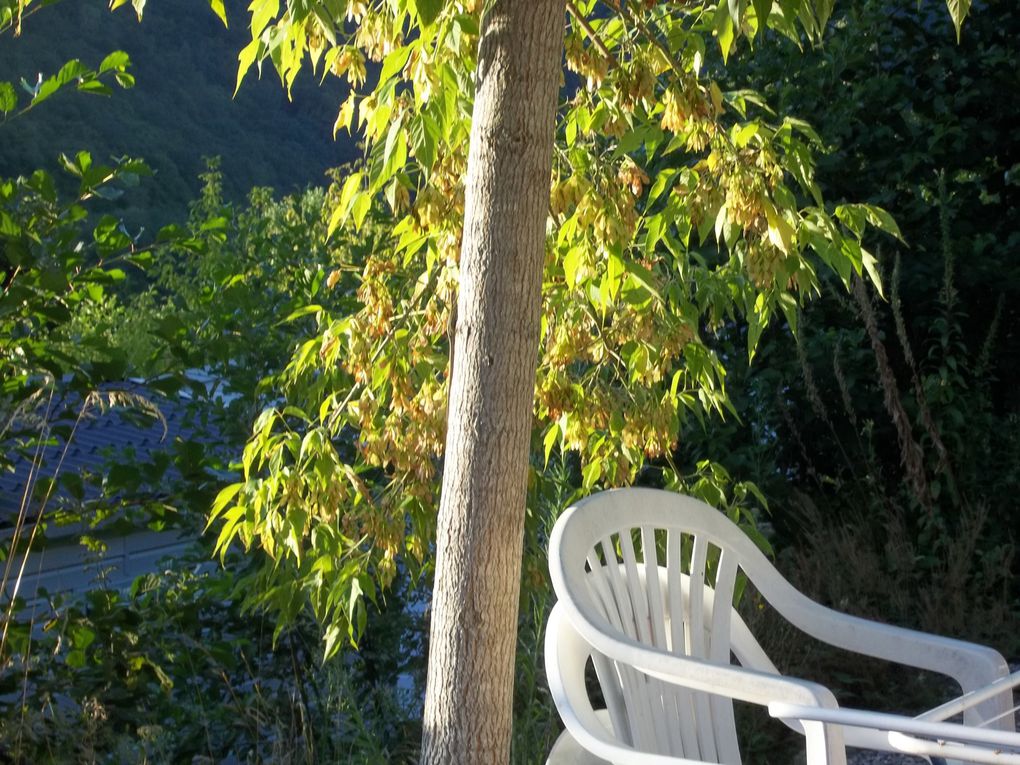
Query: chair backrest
point(655, 567)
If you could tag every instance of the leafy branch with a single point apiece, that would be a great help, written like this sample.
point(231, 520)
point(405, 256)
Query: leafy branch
point(73, 73)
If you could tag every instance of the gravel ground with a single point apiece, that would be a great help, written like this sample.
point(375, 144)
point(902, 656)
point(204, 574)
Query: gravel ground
point(883, 758)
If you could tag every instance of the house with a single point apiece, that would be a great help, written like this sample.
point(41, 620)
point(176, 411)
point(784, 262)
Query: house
point(111, 454)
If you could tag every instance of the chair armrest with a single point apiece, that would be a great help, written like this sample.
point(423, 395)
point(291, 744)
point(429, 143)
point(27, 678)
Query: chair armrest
point(566, 654)
point(740, 683)
point(969, 664)
point(938, 739)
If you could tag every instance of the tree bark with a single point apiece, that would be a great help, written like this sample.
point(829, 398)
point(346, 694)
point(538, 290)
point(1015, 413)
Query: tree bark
point(468, 703)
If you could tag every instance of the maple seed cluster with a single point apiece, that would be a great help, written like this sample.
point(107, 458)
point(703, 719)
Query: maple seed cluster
point(585, 61)
point(688, 111)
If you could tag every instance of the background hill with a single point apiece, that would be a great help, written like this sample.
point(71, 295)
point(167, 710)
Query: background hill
point(180, 109)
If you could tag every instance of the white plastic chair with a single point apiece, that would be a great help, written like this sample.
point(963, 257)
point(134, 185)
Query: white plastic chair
point(638, 574)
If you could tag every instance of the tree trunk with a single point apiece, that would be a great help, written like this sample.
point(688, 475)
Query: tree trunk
point(468, 704)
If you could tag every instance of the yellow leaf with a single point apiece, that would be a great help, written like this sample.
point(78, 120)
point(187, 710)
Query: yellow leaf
point(717, 98)
point(550, 441)
point(781, 233)
point(570, 263)
point(345, 116)
point(219, 10)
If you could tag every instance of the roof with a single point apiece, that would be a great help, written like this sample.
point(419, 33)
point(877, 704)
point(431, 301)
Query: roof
point(121, 423)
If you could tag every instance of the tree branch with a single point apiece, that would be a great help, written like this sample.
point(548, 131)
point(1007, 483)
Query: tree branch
point(595, 40)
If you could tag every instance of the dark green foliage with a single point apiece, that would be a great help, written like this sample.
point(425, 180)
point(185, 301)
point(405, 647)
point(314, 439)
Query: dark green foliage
point(173, 671)
point(180, 111)
point(893, 422)
point(54, 261)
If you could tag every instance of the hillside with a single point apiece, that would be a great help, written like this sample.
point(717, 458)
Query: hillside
point(179, 111)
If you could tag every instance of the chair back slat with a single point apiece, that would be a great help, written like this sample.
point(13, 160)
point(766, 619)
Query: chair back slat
point(674, 574)
point(601, 589)
point(650, 555)
point(694, 614)
point(656, 586)
point(635, 589)
point(649, 725)
point(719, 651)
point(619, 588)
point(612, 693)
point(683, 699)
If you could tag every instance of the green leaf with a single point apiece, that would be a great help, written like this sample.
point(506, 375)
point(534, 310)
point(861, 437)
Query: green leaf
point(303, 311)
point(116, 60)
point(643, 277)
point(757, 322)
point(394, 62)
point(762, 9)
point(662, 181)
point(823, 10)
point(262, 12)
point(222, 500)
point(424, 134)
point(351, 190)
point(8, 97)
point(332, 642)
point(788, 304)
point(245, 59)
point(360, 209)
point(745, 133)
point(82, 637)
point(871, 266)
point(353, 600)
point(724, 29)
point(428, 10)
point(570, 263)
point(781, 233)
point(95, 87)
point(958, 10)
point(736, 10)
point(883, 221)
